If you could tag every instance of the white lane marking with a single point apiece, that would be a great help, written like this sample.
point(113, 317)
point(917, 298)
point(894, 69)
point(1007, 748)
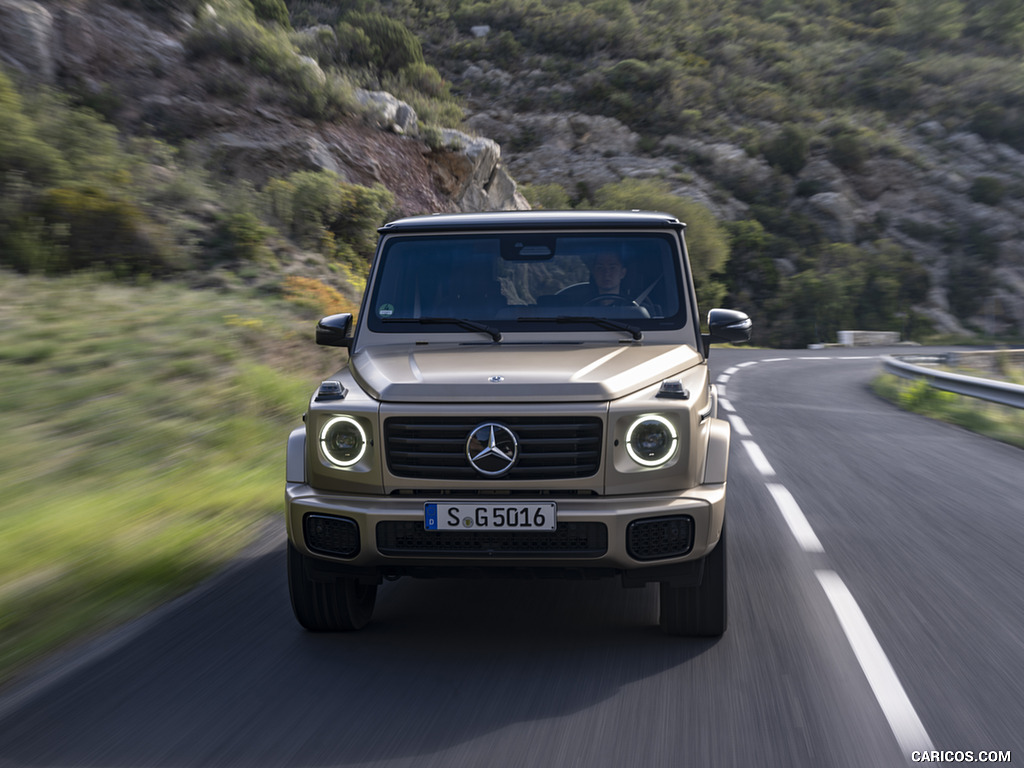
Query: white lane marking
point(749, 362)
point(730, 371)
point(775, 360)
point(723, 378)
point(861, 357)
point(721, 392)
point(725, 404)
point(757, 456)
point(739, 425)
point(905, 724)
point(795, 518)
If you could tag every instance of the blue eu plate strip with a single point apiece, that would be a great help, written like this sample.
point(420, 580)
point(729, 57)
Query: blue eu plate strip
point(430, 522)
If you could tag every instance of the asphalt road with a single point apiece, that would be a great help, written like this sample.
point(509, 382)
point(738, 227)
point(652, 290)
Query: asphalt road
point(843, 501)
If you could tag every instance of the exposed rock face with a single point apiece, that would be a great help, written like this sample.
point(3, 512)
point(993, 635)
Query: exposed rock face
point(388, 112)
point(26, 38)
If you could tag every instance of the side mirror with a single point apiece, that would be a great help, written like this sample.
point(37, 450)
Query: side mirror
point(333, 331)
point(726, 326)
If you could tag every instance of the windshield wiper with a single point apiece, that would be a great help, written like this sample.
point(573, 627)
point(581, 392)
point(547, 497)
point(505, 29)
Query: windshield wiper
point(470, 325)
point(604, 322)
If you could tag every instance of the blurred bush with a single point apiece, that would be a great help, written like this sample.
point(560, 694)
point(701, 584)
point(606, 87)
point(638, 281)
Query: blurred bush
point(321, 211)
point(316, 295)
point(987, 190)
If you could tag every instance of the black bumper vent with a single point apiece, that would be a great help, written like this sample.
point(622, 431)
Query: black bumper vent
point(569, 540)
point(659, 537)
point(337, 536)
point(550, 448)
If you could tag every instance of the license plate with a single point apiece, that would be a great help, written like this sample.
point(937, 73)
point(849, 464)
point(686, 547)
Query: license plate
point(533, 516)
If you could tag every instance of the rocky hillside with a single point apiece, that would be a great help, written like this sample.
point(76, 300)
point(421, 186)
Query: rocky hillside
point(135, 66)
point(933, 188)
point(924, 195)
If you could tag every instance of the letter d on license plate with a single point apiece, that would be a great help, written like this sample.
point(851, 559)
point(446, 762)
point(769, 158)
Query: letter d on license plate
point(460, 516)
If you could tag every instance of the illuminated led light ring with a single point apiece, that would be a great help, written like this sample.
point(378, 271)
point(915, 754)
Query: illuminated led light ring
point(672, 446)
point(326, 451)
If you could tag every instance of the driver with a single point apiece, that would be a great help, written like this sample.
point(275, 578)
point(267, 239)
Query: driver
point(605, 286)
point(607, 274)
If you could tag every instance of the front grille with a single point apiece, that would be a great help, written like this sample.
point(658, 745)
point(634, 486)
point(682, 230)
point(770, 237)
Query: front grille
point(338, 536)
point(569, 540)
point(550, 448)
point(659, 537)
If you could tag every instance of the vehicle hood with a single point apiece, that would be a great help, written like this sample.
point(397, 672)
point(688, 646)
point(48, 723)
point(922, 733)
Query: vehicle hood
point(516, 372)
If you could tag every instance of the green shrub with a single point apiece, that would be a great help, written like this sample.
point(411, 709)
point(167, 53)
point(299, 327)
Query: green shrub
point(88, 228)
point(323, 212)
point(422, 88)
point(552, 197)
point(22, 152)
point(362, 210)
point(379, 42)
point(242, 237)
point(271, 53)
point(272, 10)
point(788, 150)
point(987, 190)
point(922, 397)
point(848, 151)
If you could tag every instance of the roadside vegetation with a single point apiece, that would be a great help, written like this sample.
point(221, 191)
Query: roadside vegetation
point(144, 443)
point(999, 422)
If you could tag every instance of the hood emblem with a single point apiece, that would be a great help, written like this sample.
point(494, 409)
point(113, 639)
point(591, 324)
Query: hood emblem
point(496, 379)
point(492, 449)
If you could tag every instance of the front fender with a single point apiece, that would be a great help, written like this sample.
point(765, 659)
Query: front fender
point(295, 469)
point(716, 467)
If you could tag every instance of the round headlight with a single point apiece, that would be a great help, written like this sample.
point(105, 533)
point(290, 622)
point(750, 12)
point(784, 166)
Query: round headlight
point(651, 440)
point(343, 441)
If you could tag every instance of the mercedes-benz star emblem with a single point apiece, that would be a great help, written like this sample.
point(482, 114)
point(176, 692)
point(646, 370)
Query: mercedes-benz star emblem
point(492, 449)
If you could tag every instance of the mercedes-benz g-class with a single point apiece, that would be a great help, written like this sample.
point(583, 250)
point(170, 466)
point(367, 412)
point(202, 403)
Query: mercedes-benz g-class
point(527, 393)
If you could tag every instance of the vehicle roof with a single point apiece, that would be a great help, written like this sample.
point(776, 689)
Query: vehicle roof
point(534, 220)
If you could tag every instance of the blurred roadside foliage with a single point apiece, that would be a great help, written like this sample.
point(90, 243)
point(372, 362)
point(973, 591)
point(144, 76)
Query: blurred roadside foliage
point(1000, 422)
point(155, 454)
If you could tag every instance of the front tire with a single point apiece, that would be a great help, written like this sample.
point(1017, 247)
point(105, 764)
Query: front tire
point(700, 611)
point(340, 605)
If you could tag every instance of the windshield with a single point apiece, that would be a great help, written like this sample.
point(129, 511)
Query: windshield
point(528, 282)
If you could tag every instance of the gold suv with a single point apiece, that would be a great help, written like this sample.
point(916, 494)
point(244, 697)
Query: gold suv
point(527, 394)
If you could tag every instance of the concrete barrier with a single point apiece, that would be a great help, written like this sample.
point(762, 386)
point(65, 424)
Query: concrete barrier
point(868, 338)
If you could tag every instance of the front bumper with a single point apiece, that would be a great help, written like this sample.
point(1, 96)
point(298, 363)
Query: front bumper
point(703, 506)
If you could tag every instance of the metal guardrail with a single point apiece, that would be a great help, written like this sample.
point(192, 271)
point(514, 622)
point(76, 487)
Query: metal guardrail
point(1002, 392)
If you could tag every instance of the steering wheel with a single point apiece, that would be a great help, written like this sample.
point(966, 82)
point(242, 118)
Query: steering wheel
point(610, 300)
